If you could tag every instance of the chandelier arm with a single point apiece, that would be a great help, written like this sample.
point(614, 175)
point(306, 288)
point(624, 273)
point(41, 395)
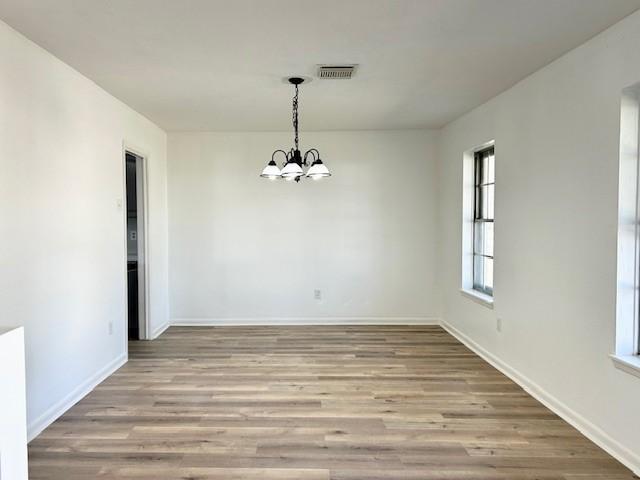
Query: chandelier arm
point(311, 151)
point(316, 152)
point(273, 155)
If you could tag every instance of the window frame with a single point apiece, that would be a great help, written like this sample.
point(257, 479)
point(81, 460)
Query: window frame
point(468, 217)
point(626, 356)
point(479, 218)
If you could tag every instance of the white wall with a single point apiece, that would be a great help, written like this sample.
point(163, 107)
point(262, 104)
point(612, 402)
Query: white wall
point(243, 248)
point(13, 426)
point(62, 254)
point(557, 138)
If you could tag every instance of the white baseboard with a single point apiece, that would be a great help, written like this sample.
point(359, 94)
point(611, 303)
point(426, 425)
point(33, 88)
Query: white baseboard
point(36, 427)
point(159, 331)
point(588, 429)
point(277, 321)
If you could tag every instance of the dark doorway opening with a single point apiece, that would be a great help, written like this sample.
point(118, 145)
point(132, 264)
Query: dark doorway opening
point(135, 247)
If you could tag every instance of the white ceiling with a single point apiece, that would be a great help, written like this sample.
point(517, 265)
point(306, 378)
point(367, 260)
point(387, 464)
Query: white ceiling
point(218, 65)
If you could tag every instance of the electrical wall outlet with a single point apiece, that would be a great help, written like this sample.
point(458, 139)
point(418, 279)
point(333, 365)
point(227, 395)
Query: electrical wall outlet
point(110, 328)
point(499, 324)
point(317, 294)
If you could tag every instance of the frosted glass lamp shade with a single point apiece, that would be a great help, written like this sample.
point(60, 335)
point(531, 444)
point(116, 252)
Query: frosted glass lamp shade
point(318, 170)
point(271, 171)
point(292, 170)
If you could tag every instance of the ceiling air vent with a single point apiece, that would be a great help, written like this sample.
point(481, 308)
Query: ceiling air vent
point(336, 72)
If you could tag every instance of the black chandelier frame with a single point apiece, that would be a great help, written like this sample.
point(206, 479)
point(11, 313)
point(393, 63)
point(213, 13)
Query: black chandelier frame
point(294, 155)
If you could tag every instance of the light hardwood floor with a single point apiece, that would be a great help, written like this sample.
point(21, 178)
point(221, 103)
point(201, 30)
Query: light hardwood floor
point(312, 403)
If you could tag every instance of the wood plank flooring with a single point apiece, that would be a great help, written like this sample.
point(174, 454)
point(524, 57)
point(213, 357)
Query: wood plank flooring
point(312, 403)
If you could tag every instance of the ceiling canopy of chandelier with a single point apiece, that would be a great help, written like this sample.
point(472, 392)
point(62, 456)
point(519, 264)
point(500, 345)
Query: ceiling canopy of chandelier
point(292, 168)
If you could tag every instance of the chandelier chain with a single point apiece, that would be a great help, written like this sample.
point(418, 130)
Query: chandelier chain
point(295, 117)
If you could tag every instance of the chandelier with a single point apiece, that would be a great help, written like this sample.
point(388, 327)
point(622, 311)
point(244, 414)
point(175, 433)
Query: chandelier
point(294, 160)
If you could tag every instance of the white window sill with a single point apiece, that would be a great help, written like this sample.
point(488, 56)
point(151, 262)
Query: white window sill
point(627, 363)
point(478, 297)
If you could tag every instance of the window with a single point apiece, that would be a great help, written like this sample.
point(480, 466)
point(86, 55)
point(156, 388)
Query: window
point(626, 356)
point(478, 188)
point(484, 186)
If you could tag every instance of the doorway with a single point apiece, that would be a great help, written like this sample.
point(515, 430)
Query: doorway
point(135, 241)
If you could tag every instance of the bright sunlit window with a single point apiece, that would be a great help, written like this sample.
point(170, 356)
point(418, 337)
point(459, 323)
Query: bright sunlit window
point(484, 186)
point(478, 192)
point(627, 348)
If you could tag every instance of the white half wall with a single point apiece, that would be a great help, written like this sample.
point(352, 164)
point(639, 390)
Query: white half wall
point(13, 406)
point(248, 250)
point(62, 255)
point(556, 138)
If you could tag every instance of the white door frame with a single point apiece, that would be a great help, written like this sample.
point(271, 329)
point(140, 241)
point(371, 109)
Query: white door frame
point(143, 240)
